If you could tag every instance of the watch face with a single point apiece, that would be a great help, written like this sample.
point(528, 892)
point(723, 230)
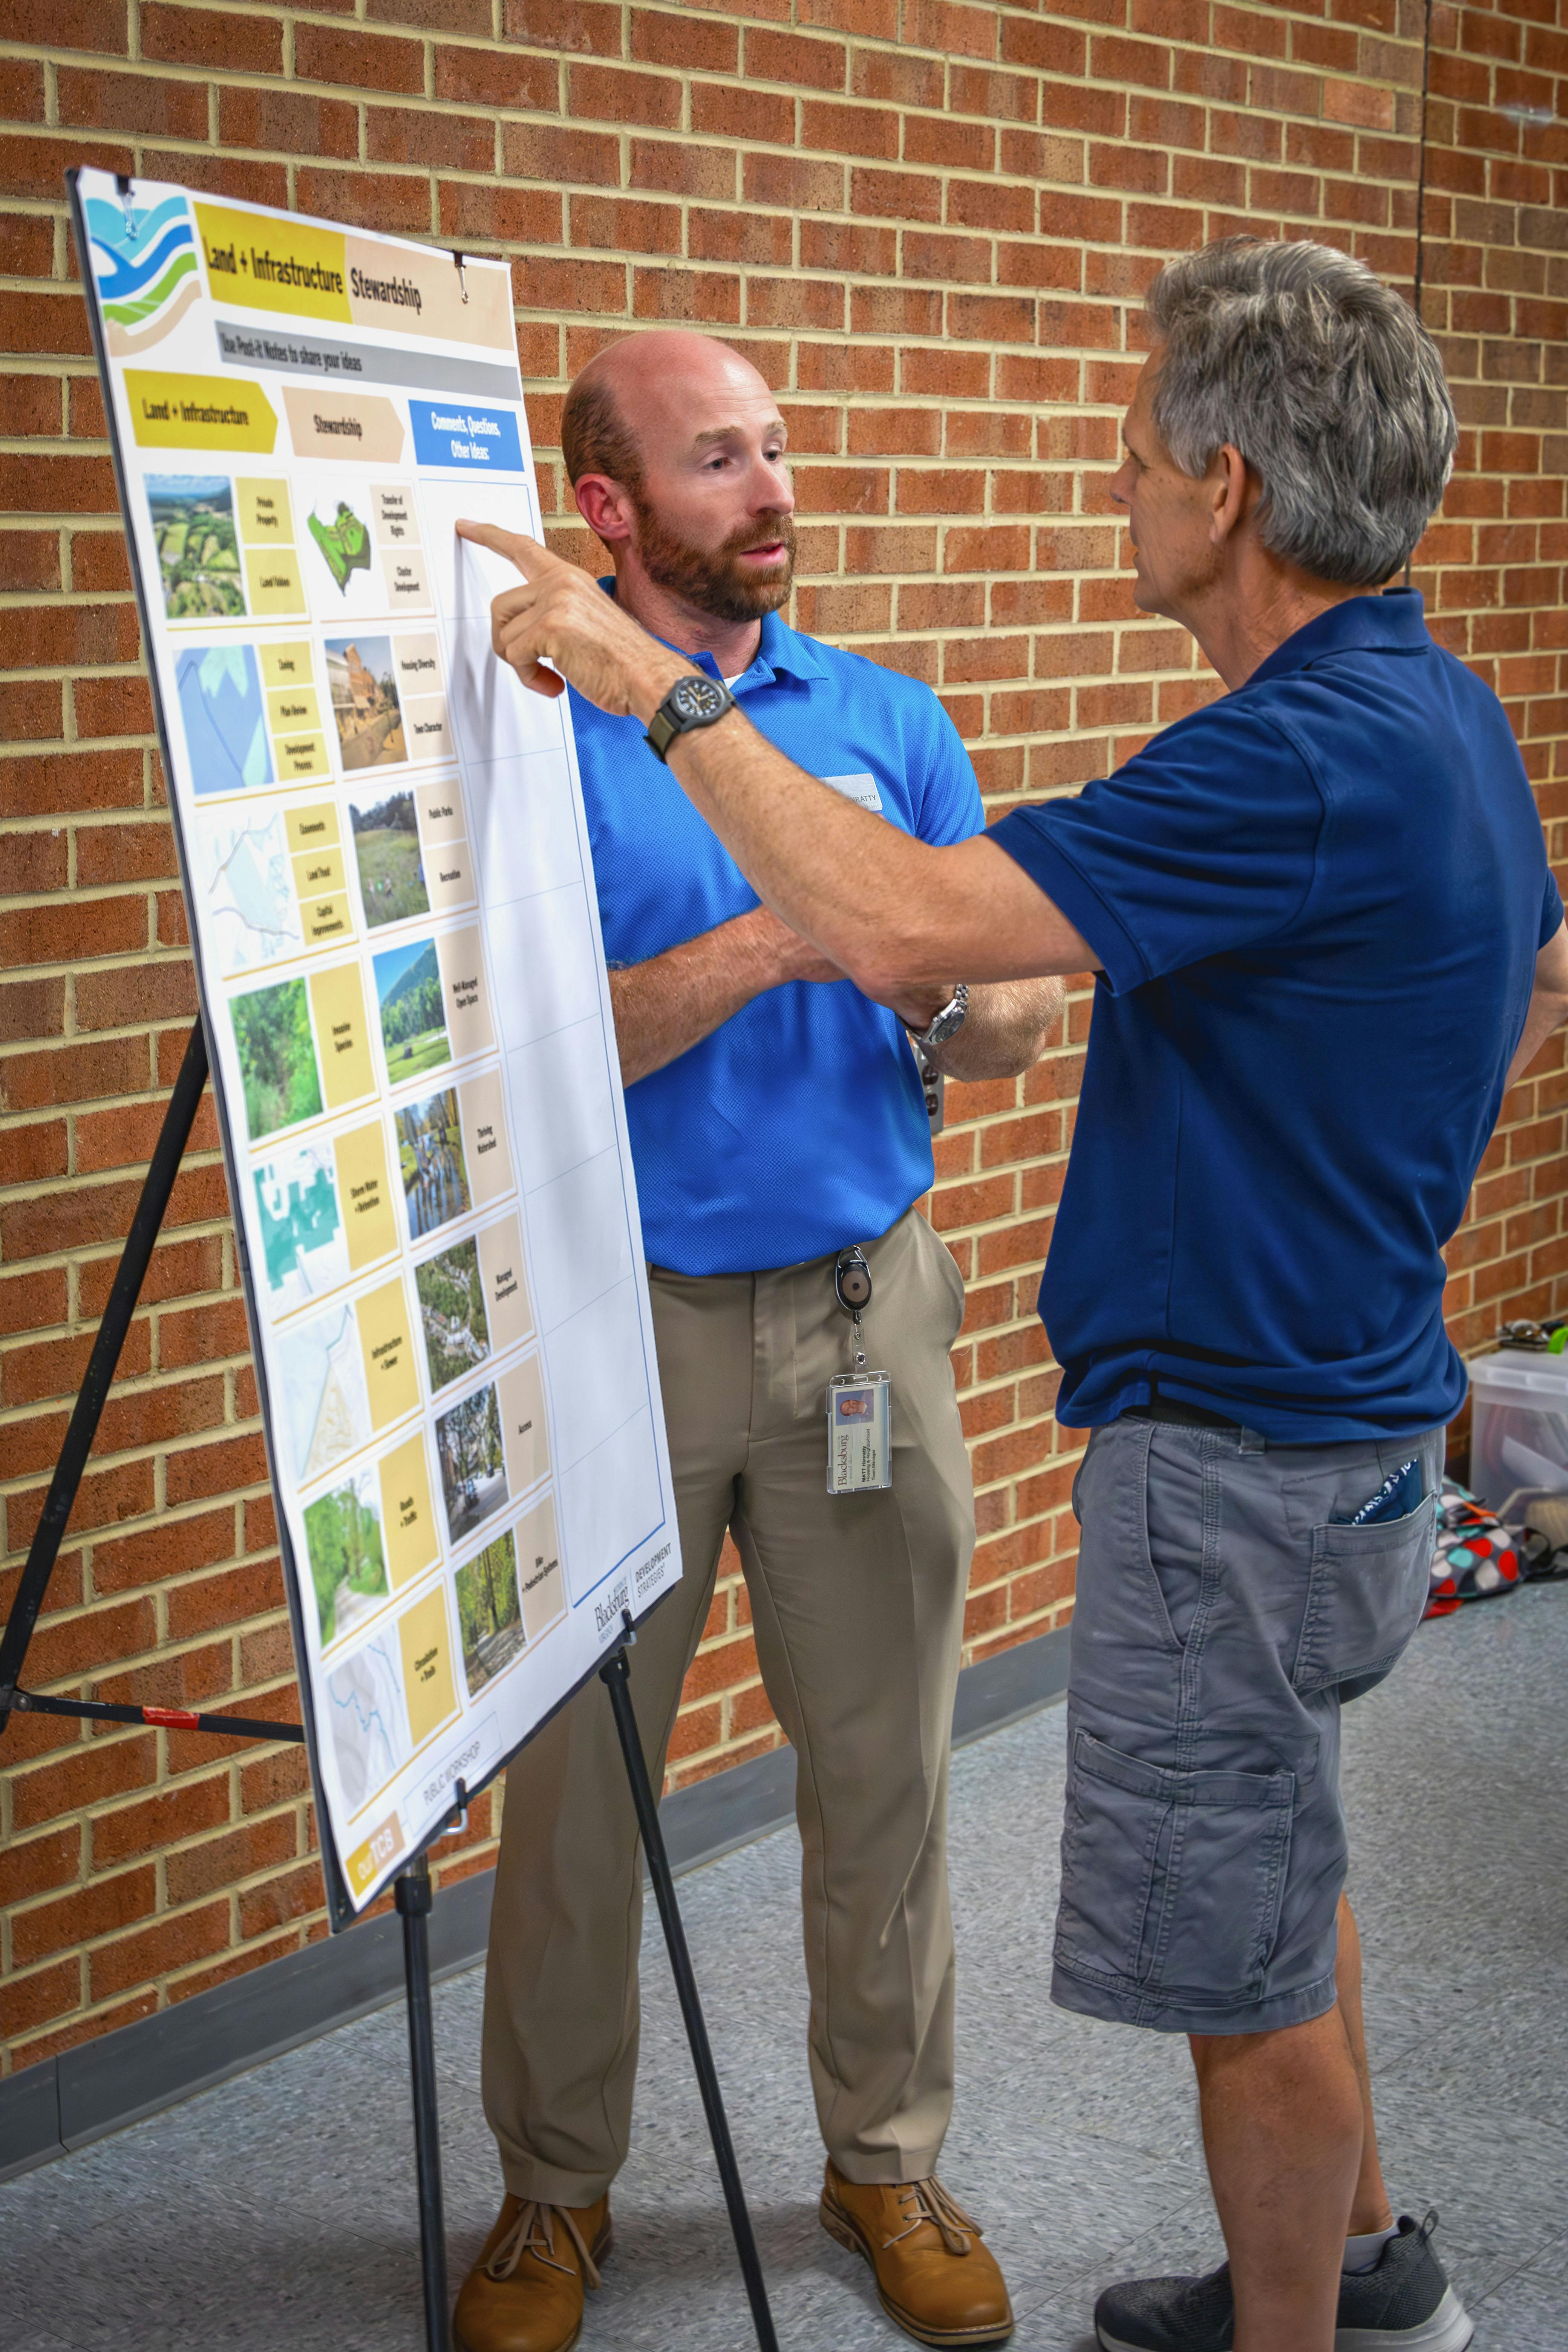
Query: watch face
point(697, 697)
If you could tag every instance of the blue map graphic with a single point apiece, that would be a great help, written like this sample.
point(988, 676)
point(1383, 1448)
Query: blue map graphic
point(224, 713)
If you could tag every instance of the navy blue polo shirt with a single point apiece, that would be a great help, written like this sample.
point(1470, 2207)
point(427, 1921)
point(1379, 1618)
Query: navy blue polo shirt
point(1317, 904)
point(799, 1125)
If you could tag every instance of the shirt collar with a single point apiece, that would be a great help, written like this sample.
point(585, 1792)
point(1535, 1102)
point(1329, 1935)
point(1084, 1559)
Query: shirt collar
point(1391, 622)
point(781, 652)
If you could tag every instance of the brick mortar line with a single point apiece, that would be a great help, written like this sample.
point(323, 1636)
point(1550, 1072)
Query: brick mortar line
point(691, 79)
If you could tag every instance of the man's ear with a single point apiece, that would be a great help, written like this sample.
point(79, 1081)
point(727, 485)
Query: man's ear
point(604, 507)
point(1232, 492)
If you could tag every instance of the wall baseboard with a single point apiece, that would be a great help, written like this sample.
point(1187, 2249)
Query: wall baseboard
point(100, 2088)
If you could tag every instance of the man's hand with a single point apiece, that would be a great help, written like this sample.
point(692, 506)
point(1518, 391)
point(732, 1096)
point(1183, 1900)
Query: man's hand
point(918, 1006)
point(561, 617)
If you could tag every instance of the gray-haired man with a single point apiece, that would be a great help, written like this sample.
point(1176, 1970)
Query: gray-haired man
point(1326, 940)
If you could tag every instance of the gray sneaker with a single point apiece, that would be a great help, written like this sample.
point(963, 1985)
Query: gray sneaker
point(1404, 2304)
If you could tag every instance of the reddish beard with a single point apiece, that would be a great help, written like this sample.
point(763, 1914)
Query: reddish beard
point(715, 580)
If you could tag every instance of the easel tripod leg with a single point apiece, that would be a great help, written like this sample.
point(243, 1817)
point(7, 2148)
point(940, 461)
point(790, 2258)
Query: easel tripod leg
point(413, 1893)
point(615, 1675)
point(157, 1186)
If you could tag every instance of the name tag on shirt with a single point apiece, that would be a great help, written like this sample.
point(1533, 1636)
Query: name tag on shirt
point(861, 790)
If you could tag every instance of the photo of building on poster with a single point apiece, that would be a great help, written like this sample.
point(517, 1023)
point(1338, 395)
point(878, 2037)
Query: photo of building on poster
point(366, 707)
point(473, 1461)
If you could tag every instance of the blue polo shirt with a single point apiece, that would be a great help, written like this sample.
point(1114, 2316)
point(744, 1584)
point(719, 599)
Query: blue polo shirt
point(1317, 903)
point(798, 1126)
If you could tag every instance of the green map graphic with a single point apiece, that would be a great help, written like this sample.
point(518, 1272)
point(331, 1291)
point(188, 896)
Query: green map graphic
point(345, 542)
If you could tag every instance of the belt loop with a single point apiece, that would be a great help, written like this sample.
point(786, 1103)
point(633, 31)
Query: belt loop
point(1252, 1441)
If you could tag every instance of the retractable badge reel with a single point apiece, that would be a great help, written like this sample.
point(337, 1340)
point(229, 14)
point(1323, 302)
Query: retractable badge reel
point(859, 1404)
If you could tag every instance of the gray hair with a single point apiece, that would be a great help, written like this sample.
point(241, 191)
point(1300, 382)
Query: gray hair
point(1326, 382)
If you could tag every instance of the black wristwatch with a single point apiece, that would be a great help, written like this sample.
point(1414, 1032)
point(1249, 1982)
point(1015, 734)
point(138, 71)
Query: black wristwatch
point(690, 702)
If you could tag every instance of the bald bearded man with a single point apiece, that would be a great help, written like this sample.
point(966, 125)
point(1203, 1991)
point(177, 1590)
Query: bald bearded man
point(777, 1119)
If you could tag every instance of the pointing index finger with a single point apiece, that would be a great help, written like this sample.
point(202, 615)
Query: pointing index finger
point(514, 545)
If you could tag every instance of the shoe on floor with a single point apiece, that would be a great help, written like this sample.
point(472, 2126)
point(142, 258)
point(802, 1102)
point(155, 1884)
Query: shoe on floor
point(935, 2279)
point(1404, 2304)
point(525, 2292)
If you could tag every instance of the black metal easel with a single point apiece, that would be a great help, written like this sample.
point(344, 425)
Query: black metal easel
point(412, 1887)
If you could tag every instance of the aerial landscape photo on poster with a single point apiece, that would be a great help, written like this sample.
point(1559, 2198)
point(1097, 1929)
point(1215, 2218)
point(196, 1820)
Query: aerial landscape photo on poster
point(413, 1020)
point(277, 1064)
point(391, 866)
point(452, 1312)
point(199, 554)
point(473, 1465)
point(304, 1248)
point(348, 1558)
point(241, 871)
point(364, 702)
point(430, 1155)
point(224, 711)
point(489, 1611)
point(369, 1716)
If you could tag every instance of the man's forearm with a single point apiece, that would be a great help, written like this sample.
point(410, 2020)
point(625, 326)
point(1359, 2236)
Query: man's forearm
point(669, 1003)
point(1547, 1012)
point(1548, 1006)
point(894, 913)
point(1007, 1028)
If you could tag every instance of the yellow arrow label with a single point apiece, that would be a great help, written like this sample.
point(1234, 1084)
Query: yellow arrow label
point(263, 262)
point(199, 412)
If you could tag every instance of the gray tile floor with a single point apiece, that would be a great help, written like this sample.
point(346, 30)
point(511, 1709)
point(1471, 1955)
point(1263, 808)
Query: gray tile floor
point(279, 2209)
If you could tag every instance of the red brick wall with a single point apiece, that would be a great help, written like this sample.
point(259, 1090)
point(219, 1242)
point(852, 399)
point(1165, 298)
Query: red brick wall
point(929, 224)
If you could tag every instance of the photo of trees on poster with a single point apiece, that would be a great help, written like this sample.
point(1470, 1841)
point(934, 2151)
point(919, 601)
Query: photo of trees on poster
point(277, 1056)
point(452, 1312)
point(473, 1465)
point(489, 1611)
point(431, 1158)
point(391, 870)
point(413, 1018)
point(348, 1563)
point(198, 554)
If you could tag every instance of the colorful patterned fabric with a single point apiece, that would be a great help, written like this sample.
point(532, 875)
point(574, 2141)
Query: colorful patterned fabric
point(1476, 1558)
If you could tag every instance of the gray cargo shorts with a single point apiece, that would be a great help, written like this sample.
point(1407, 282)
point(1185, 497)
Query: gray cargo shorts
point(1221, 1620)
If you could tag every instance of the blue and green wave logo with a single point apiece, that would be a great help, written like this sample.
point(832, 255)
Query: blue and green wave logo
point(144, 261)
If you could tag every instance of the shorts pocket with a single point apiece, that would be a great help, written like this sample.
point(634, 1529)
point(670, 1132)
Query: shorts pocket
point(1172, 1882)
point(1366, 1592)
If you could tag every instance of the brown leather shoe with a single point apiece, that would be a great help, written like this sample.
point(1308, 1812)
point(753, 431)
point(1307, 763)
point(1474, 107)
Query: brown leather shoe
point(525, 2292)
point(935, 2279)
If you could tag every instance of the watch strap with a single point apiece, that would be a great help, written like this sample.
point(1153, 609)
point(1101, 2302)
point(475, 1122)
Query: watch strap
point(671, 719)
point(948, 1022)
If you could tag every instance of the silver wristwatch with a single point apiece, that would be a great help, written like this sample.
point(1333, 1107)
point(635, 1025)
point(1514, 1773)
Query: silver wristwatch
point(690, 702)
point(948, 1022)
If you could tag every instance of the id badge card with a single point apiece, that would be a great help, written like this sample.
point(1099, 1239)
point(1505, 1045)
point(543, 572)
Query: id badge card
point(859, 1436)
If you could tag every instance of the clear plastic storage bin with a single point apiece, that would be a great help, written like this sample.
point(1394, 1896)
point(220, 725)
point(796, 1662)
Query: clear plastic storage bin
point(1519, 1429)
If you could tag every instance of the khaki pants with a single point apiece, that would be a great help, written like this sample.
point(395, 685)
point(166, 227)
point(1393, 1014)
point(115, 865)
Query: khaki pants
point(858, 1608)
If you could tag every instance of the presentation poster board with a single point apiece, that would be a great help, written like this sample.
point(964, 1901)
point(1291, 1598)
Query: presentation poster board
point(387, 876)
